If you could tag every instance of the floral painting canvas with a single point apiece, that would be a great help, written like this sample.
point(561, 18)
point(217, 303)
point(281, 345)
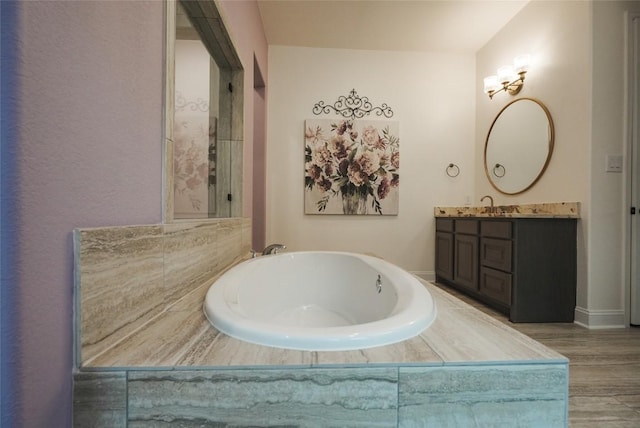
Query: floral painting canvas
point(351, 167)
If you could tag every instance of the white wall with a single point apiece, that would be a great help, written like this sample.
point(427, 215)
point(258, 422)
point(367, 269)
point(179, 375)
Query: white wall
point(432, 96)
point(607, 291)
point(578, 73)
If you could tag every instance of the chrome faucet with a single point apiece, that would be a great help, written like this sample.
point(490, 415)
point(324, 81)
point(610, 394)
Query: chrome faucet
point(491, 208)
point(273, 249)
point(379, 284)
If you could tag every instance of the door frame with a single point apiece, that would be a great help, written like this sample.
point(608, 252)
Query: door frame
point(631, 194)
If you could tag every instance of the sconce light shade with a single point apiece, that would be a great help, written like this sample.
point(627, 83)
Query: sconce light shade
point(521, 63)
point(491, 84)
point(510, 78)
point(506, 74)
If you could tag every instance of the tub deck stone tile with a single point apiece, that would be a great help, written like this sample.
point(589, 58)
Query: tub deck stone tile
point(182, 336)
point(484, 396)
point(161, 343)
point(466, 369)
point(227, 352)
point(301, 398)
point(414, 350)
point(487, 341)
point(100, 399)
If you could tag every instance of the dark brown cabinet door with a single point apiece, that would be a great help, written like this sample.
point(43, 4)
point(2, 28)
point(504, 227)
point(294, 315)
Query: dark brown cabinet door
point(465, 270)
point(444, 255)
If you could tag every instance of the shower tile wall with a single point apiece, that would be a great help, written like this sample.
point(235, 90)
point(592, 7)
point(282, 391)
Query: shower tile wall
point(125, 276)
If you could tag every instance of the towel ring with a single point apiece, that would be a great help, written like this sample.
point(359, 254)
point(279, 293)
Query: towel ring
point(452, 170)
point(497, 168)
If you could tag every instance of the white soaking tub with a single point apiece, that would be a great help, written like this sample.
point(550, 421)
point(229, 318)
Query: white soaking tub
point(319, 301)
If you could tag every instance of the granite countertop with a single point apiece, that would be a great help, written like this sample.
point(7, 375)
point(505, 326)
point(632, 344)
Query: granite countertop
point(544, 210)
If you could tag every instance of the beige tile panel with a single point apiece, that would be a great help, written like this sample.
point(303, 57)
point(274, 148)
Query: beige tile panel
point(120, 283)
point(159, 344)
point(229, 240)
point(190, 257)
point(126, 276)
point(246, 236)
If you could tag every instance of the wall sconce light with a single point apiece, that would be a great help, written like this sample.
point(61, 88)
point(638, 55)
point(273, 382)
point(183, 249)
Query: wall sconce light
point(510, 78)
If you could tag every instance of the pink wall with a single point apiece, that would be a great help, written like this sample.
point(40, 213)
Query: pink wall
point(88, 139)
point(245, 25)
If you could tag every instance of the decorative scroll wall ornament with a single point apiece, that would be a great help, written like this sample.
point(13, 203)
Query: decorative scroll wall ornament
point(351, 167)
point(352, 107)
point(183, 104)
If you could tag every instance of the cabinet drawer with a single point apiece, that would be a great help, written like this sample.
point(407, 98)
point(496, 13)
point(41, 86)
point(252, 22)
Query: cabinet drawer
point(444, 224)
point(495, 253)
point(469, 227)
point(496, 285)
point(496, 229)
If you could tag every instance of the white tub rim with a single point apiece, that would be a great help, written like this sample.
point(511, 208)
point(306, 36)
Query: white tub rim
point(370, 334)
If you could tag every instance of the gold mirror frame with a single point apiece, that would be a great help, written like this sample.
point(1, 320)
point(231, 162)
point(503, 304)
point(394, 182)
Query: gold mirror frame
point(551, 141)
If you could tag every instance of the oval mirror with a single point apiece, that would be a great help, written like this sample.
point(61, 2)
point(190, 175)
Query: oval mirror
point(518, 146)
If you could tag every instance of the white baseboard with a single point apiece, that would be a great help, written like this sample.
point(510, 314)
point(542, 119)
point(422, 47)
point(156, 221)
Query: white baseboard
point(599, 319)
point(426, 275)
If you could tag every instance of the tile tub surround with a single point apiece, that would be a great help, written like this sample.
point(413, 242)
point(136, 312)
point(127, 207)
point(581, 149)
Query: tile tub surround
point(125, 276)
point(466, 367)
point(548, 210)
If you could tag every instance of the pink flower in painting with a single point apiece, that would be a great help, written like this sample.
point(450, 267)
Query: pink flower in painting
point(341, 128)
point(310, 134)
point(372, 139)
point(370, 135)
point(395, 159)
point(395, 181)
point(324, 184)
point(314, 171)
point(384, 188)
point(338, 147)
point(369, 162)
point(343, 167)
point(321, 156)
point(329, 169)
point(356, 175)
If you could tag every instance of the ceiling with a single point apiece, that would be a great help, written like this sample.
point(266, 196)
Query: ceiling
point(393, 25)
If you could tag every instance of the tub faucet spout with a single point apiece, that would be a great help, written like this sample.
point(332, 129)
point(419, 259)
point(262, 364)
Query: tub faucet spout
point(273, 249)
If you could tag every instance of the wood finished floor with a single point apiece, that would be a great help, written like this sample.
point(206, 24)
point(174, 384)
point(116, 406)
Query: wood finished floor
point(604, 368)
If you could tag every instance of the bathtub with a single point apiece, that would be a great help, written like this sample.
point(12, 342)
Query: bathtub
point(319, 301)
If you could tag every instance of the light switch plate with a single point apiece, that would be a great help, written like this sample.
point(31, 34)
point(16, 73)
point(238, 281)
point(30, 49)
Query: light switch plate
point(613, 163)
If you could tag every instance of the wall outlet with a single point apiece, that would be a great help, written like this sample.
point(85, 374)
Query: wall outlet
point(467, 200)
point(613, 163)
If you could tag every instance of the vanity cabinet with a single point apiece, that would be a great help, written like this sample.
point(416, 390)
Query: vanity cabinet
point(524, 267)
